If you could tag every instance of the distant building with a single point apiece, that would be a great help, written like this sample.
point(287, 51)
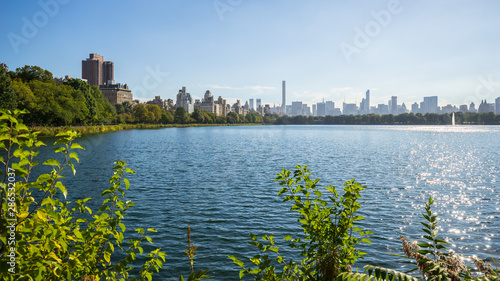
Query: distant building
point(315, 112)
point(349, 109)
point(297, 108)
point(364, 107)
point(463, 108)
point(429, 105)
point(497, 105)
point(382, 109)
point(259, 103)
point(321, 108)
point(414, 108)
point(486, 107)
point(472, 107)
point(167, 104)
point(283, 97)
point(238, 108)
point(394, 105)
point(97, 71)
point(61, 80)
point(251, 104)
point(329, 108)
point(185, 100)
point(116, 93)
point(449, 109)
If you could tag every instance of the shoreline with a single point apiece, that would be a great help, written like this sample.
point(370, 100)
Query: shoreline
point(95, 129)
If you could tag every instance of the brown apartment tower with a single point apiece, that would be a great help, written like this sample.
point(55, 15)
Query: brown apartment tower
point(97, 71)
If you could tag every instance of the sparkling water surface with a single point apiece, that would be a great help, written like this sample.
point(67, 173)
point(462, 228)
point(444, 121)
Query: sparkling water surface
point(220, 182)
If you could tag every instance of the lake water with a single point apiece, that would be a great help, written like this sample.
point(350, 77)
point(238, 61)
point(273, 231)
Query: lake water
point(220, 182)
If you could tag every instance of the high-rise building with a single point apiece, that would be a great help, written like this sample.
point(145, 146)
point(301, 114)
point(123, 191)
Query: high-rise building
point(314, 113)
point(364, 107)
point(463, 108)
point(251, 104)
point(97, 71)
point(429, 105)
point(297, 108)
point(472, 107)
point(283, 102)
point(321, 109)
point(497, 105)
point(185, 100)
point(349, 109)
point(394, 105)
point(108, 72)
point(414, 108)
point(329, 108)
point(259, 103)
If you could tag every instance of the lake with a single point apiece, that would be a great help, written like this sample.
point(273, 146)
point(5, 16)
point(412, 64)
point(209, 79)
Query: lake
point(220, 182)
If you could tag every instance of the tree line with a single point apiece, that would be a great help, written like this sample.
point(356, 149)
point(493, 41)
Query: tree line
point(75, 102)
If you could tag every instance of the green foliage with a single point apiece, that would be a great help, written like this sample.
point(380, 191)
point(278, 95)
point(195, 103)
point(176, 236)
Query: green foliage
point(435, 261)
point(181, 116)
point(56, 239)
point(8, 97)
point(29, 73)
point(329, 224)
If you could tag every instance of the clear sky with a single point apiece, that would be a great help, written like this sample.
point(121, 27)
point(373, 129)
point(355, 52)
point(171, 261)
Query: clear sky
point(242, 49)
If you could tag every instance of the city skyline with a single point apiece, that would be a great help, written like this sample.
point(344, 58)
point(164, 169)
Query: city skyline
point(335, 51)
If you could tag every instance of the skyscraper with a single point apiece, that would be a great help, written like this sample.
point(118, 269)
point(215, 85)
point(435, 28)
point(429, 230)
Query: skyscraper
point(394, 105)
point(364, 107)
point(497, 105)
point(258, 103)
point(283, 102)
point(321, 108)
point(430, 105)
point(251, 104)
point(97, 71)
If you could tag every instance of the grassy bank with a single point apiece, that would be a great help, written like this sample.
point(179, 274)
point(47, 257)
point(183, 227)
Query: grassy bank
point(53, 131)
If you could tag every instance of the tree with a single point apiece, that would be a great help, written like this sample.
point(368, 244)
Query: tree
point(28, 73)
point(154, 112)
point(167, 118)
point(90, 101)
point(119, 108)
point(232, 118)
point(8, 97)
point(181, 116)
point(141, 113)
point(56, 240)
point(127, 107)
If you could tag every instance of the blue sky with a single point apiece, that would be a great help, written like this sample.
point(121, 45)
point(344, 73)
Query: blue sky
point(242, 49)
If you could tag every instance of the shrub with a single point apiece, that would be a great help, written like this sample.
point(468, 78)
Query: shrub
point(45, 238)
point(331, 236)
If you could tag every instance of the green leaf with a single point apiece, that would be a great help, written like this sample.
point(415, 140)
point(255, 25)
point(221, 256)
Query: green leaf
point(254, 238)
point(74, 155)
point(237, 261)
point(62, 188)
point(51, 162)
point(72, 168)
point(76, 146)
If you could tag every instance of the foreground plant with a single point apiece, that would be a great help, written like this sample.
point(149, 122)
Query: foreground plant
point(45, 238)
point(435, 261)
point(330, 232)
